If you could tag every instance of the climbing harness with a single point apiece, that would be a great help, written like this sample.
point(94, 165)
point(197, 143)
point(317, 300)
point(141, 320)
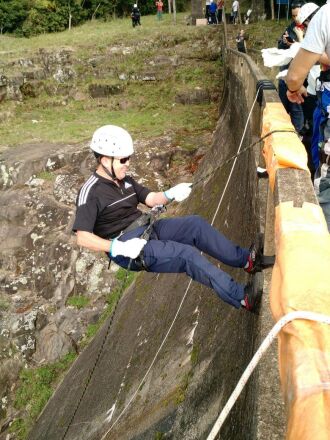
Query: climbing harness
point(310, 316)
point(153, 216)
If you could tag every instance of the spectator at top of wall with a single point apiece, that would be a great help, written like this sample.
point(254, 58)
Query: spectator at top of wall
point(213, 11)
point(316, 48)
point(240, 41)
point(207, 9)
point(293, 33)
point(247, 16)
point(234, 11)
point(220, 6)
point(136, 15)
point(159, 5)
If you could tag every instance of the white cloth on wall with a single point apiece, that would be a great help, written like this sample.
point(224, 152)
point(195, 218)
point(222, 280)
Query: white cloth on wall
point(279, 57)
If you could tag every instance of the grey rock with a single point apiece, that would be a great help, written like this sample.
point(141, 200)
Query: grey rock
point(64, 74)
point(52, 344)
point(196, 96)
point(9, 370)
point(104, 90)
point(65, 188)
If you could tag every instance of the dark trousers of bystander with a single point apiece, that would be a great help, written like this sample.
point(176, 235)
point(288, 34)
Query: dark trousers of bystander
point(295, 110)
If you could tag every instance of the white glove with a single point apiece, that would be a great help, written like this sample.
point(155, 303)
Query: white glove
point(178, 192)
point(130, 248)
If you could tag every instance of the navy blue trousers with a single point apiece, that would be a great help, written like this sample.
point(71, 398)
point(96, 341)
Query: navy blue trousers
point(175, 245)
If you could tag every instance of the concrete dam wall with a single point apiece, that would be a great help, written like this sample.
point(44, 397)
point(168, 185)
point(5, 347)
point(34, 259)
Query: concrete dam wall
point(143, 387)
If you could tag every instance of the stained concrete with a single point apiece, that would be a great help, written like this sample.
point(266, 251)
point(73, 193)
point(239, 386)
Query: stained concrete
point(189, 382)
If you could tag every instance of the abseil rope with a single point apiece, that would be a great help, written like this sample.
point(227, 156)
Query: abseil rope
point(243, 150)
point(310, 316)
point(186, 291)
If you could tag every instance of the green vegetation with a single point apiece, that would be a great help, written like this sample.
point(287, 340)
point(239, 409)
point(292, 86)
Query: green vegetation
point(33, 17)
point(35, 388)
point(51, 112)
point(194, 355)
point(259, 39)
point(78, 301)
point(46, 175)
point(180, 393)
point(4, 304)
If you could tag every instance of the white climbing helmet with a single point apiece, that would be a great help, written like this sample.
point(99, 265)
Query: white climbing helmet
point(306, 11)
point(112, 141)
point(135, 5)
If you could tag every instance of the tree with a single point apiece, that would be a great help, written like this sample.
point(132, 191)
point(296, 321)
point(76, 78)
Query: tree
point(12, 14)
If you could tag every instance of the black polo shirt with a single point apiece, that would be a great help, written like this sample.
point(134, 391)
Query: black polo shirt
point(105, 209)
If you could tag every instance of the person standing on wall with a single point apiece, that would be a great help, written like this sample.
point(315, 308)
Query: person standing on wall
point(293, 33)
point(108, 220)
point(315, 43)
point(159, 5)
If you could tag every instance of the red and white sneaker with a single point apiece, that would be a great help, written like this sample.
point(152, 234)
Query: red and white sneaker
point(254, 259)
point(252, 295)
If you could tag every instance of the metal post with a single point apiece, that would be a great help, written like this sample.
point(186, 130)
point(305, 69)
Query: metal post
point(174, 11)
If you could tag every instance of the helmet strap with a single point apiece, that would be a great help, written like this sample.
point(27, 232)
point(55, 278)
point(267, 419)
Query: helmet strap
point(110, 173)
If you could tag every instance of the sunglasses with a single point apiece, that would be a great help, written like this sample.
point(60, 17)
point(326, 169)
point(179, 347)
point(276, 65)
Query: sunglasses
point(124, 160)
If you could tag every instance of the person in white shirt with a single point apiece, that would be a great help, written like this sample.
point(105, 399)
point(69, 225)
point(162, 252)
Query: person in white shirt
point(234, 11)
point(316, 48)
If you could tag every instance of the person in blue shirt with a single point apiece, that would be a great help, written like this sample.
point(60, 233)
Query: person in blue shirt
point(213, 11)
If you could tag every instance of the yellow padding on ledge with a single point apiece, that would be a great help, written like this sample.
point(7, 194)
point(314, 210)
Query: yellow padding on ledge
point(301, 281)
point(281, 150)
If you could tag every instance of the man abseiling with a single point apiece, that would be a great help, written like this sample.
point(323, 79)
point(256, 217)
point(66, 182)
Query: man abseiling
point(108, 220)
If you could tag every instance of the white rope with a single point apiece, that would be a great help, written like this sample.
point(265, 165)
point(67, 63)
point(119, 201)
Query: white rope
point(189, 284)
point(151, 365)
point(311, 316)
point(239, 149)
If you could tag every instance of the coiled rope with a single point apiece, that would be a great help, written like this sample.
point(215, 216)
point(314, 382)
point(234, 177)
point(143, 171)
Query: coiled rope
point(310, 316)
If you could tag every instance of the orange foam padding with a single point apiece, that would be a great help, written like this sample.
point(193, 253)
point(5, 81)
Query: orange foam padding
point(281, 150)
point(301, 281)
